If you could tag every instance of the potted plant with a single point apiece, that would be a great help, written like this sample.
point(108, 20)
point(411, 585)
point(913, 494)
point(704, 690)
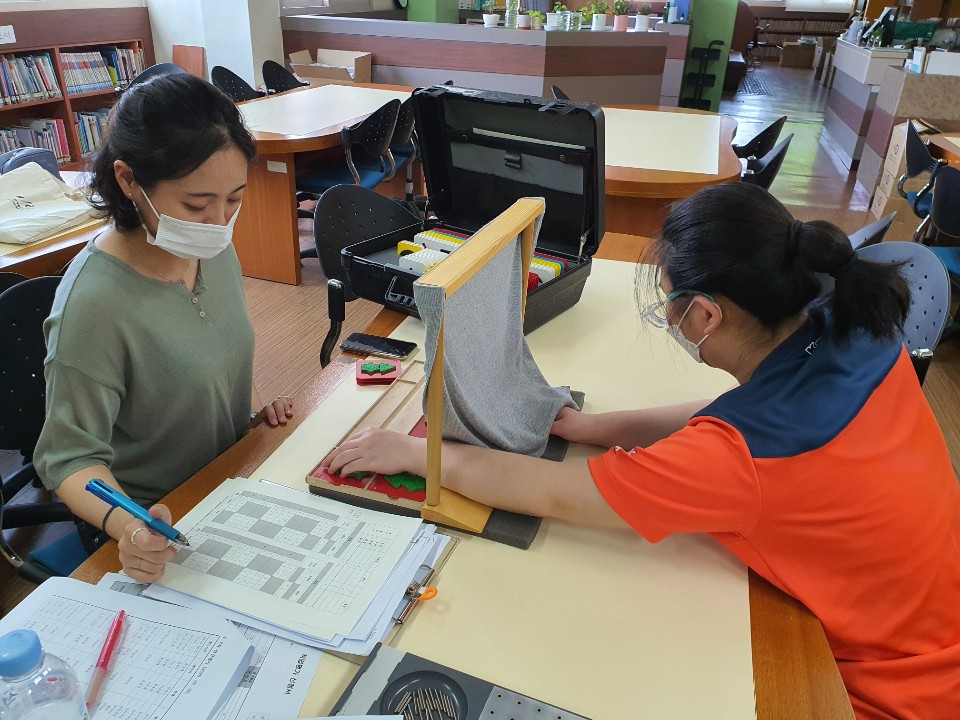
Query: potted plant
point(536, 20)
point(490, 18)
point(643, 17)
point(597, 15)
point(620, 10)
point(524, 21)
point(553, 18)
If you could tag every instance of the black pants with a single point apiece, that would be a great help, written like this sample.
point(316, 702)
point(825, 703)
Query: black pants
point(91, 537)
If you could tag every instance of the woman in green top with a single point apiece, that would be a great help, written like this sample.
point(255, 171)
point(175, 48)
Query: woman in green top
point(149, 364)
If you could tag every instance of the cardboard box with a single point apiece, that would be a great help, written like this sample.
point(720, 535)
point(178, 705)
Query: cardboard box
point(897, 148)
point(825, 47)
point(333, 66)
point(797, 55)
point(884, 204)
point(904, 227)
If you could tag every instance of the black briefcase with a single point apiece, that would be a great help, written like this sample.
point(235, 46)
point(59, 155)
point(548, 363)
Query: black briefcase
point(481, 151)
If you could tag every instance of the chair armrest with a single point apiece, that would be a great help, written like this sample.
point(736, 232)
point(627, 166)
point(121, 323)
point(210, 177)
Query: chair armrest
point(348, 153)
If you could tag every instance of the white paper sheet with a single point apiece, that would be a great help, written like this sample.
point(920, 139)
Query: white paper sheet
point(307, 111)
point(296, 560)
point(277, 678)
point(955, 139)
point(162, 655)
point(650, 140)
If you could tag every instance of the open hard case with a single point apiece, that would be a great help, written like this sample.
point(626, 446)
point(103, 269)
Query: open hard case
point(482, 151)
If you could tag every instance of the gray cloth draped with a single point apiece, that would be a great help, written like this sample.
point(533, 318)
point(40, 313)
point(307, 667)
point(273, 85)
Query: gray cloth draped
point(495, 395)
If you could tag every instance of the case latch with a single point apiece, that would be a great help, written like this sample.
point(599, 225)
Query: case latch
point(513, 160)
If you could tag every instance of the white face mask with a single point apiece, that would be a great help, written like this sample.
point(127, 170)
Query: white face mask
point(691, 347)
point(190, 240)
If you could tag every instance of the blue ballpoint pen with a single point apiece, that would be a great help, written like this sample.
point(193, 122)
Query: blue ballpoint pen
point(116, 499)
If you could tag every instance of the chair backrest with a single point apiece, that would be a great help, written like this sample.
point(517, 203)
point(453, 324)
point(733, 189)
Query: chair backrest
point(41, 156)
point(23, 308)
point(9, 279)
point(156, 71)
point(558, 94)
point(403, 130)
point(873, 233)
point(768, 166)
point(374, 134)
point(233, 85)
point(761, 143)
point(347, 214)
point(744, 27)
point(919, 159)
point(929, 289)
point(945, 210)
point(278, 79)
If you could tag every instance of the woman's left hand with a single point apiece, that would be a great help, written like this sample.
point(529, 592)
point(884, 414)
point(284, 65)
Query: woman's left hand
point(276, 413)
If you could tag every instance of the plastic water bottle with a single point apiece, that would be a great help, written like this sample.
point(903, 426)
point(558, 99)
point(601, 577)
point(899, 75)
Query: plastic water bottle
point(511, 14)
point(35, 685)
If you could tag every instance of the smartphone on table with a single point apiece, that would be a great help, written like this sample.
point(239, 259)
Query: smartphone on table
point(380, 346)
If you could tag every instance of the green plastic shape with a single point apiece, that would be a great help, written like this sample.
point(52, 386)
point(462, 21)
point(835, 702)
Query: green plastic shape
point(408, 481)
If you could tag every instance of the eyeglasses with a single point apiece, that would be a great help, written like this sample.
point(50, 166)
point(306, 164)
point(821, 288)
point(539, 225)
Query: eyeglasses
point(656, 313)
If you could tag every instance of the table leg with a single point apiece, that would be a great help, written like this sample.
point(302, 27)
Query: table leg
point(266, 235)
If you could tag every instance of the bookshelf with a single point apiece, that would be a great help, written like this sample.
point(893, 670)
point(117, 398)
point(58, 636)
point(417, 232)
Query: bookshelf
point(782, 27)
point(66, 37)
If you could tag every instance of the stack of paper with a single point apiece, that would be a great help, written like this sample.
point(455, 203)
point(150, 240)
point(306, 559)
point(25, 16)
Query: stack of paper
point(303, 567)
point(163, 651)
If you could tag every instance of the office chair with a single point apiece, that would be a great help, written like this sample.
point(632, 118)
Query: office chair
point(14, 159)
point(346, 215)
point(233, 85)
point(761, 143)
point(278, 79)
point(559, 94)
point(873, 233)
point(945, 221)
point(152, 72)
point(23, 309)
point(9, 279)
point(929, 296)
point(763, 171)
point(919, 161)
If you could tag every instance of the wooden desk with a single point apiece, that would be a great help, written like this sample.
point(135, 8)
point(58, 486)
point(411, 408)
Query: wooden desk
point(794, 672)
point(945, 148)
point(266, 235)
point(48, 257)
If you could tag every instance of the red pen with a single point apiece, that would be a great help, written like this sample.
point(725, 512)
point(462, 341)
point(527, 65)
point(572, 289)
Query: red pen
point(103, 662)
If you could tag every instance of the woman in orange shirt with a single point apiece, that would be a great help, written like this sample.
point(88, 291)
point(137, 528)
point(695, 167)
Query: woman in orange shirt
point(824, 470)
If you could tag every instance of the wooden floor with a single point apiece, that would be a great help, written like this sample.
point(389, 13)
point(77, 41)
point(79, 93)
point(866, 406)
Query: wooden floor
point(290, 322)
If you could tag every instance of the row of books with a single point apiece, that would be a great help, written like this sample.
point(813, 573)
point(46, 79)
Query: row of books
point(91, 127)
point(100, 70)
point(25, 78)
point(49, 133)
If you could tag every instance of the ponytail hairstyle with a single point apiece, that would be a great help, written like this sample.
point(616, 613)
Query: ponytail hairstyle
point(737, 240)
point(164, 129)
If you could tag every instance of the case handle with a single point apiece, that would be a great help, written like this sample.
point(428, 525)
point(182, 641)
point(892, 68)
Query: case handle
point(392, 298)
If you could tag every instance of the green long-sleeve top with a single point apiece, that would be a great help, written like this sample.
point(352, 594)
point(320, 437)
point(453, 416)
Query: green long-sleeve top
point(144, 376)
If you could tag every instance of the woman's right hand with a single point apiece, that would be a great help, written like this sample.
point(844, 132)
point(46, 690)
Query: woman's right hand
point(143, 552)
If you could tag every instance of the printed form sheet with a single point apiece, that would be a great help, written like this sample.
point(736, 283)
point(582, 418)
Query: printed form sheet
point(277, 678)
point(296, 560)
point(163, 651)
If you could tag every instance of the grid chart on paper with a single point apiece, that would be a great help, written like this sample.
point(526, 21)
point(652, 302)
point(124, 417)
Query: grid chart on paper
point(151, 670)
point(261, 646)
point(305, 555)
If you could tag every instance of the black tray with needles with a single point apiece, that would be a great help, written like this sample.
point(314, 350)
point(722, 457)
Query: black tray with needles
point(392, 682)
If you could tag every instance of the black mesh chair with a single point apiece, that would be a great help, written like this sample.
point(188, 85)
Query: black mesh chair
point(14, 159)
point(764, 171)
point(23, 308)
point(762, 142)
point(558, 94)
point(945, 221)
point(345, 215)
point(233, 85)
point(278, 79)
point(872, 233)
point(919, 162)
point(9, 279)
point(152, 72)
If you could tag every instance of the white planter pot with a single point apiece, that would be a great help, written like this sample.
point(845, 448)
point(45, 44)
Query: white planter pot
point(553, 19)
point(524, 22)
point(491, 19)
point(599, 23)
point(643, 23)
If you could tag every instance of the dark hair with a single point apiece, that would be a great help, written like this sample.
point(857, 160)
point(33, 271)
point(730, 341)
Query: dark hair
point(163, 129)
point(737, 240)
